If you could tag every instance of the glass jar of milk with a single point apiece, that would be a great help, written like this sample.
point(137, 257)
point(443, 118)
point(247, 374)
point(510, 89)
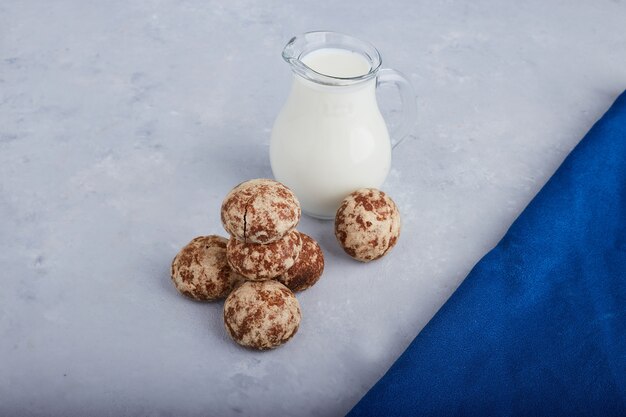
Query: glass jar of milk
point(330, 138)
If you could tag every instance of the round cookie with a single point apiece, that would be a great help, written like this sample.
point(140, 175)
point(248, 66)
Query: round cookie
point(260, 211)
point(308, 267)
point(367, 224)
point(260, 262)
point(200, 270)
point(261, 315)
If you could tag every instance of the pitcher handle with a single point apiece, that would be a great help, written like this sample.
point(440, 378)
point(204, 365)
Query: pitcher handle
point(409, 107)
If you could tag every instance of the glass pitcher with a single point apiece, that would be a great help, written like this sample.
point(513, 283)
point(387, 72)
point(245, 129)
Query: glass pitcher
point(330, 138)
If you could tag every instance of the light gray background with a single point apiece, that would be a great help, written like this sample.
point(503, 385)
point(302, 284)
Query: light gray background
point(123, 124)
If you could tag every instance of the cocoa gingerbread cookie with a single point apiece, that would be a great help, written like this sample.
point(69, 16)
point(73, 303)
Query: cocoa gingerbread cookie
point(367, 224)
point(261, 315)
point(260, 211)
point(260, 262)
point(200, 270)
point(308, 267)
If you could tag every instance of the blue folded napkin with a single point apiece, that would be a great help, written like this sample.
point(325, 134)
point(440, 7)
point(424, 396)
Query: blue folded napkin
point(539, 325)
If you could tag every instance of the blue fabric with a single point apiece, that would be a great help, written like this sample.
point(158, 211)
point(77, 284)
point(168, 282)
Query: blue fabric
point(539, 325)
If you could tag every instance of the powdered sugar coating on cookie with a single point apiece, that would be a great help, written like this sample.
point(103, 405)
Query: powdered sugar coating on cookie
point(367, 224)
point(200, 270)
point(308, 267)
point(261, 315)
point(261, 262)
point(260, 211)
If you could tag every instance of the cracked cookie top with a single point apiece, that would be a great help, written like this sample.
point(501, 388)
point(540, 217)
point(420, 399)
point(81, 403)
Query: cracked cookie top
point(260, 211)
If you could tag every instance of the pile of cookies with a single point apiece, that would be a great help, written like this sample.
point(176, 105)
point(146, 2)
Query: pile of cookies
point(265, 260)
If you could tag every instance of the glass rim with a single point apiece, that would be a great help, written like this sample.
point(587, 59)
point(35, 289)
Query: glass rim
point(301, 45)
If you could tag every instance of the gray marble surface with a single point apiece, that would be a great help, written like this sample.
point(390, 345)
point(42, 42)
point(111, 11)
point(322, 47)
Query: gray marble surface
point(124, 123)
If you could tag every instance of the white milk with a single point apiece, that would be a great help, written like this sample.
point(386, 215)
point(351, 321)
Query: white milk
point(337, 63)
point(330, 140)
